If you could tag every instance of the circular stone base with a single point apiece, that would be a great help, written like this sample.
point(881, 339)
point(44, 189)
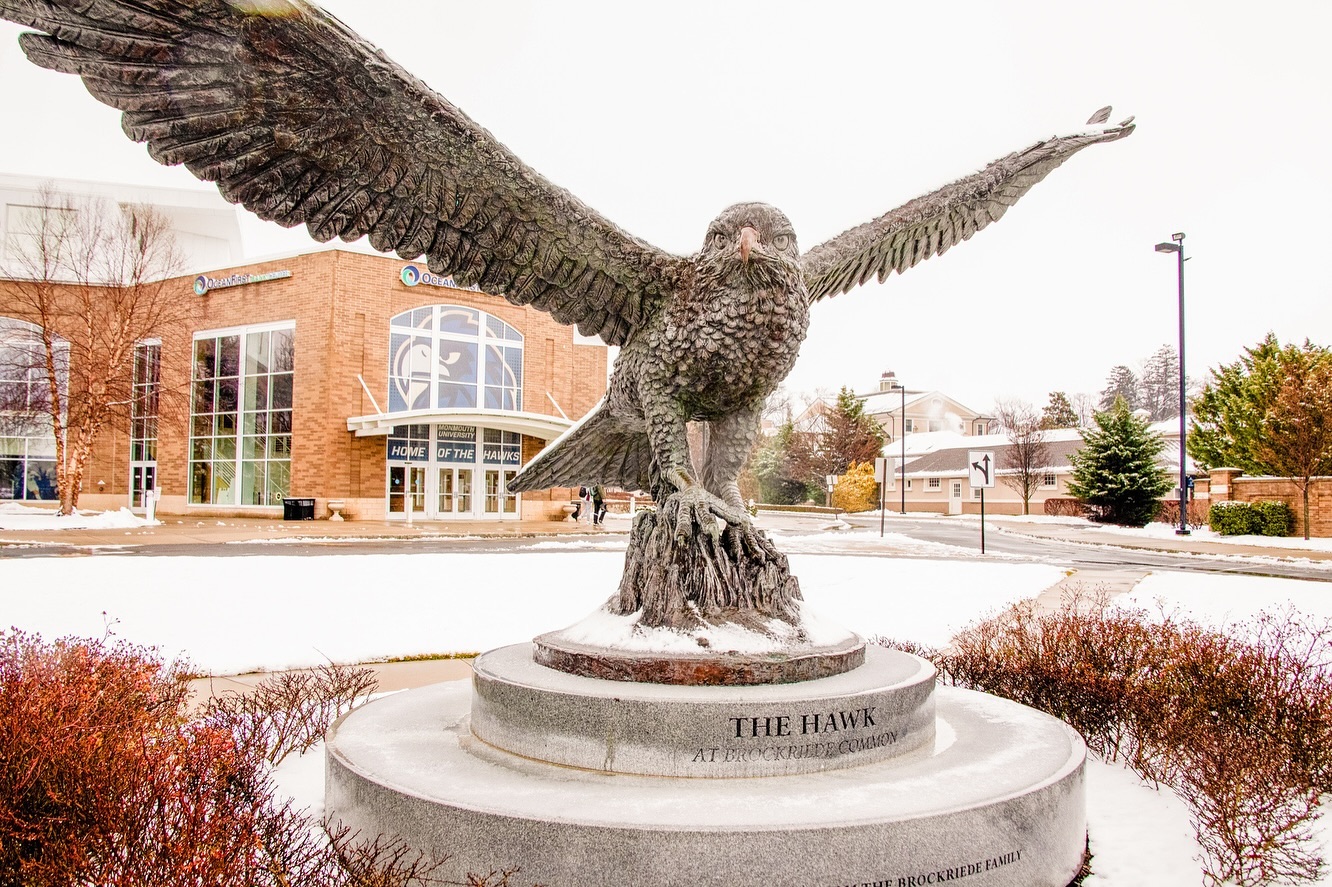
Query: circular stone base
point(996, 799)
point(881, 710)
point(702, 668)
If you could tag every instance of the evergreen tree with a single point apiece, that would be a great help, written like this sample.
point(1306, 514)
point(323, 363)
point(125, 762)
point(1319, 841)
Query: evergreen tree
point(1158, 387)
point(773, 465)
point(1270, 412)
point(1059, 412)
point(1123, 383)
point(1298, 439)
point(1117, 471)
point(848, 436)
point(1228, 414)
point(851, 435)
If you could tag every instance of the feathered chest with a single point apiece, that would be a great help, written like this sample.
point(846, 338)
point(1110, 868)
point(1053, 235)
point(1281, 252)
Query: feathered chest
point(729, 343)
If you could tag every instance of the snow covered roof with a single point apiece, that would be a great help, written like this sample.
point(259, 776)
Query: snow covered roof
point(953, 461)
point(944, 453)
point(891, 401)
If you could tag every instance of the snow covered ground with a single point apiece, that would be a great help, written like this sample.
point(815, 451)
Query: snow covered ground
point(270, 611)
point(16, 516)
point(236, 614)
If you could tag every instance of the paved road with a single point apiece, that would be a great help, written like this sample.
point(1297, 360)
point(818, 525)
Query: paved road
point(961, 534)
point(1078, 555)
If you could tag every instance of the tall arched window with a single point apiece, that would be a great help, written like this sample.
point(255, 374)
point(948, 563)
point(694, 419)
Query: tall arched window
point(450, 356)
point(27, 443)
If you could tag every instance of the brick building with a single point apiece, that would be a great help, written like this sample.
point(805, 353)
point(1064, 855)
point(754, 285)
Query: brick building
point(334, 374)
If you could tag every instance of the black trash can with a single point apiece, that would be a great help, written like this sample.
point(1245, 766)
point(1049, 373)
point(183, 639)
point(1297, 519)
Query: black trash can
point(298, 509)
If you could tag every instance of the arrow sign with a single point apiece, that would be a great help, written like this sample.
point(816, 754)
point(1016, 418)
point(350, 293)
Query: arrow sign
point(980, 469)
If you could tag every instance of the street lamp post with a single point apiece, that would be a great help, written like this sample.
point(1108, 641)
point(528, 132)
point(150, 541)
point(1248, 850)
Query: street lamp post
point(1176, 245)
point(902, 462)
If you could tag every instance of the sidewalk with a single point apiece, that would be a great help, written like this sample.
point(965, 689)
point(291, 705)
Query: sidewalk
point(1187, 544)
point(391, 676)
point(189, 530)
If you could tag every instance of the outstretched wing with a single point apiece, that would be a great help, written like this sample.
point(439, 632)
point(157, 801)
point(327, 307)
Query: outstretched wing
point(929, 225)
point(302, 122)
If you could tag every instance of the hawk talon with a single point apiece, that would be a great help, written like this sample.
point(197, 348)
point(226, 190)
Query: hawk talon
point(697, 510)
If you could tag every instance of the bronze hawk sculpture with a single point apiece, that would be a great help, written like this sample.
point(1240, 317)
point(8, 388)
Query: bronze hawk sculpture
point(301, 121)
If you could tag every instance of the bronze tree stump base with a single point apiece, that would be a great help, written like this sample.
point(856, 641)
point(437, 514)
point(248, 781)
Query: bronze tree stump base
point(706, 668)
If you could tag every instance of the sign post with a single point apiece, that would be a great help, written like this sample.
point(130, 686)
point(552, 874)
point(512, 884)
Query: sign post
point(980, 471)
point(885, 472)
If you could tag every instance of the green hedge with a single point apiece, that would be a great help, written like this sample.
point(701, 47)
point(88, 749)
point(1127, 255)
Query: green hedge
point(1266, 518)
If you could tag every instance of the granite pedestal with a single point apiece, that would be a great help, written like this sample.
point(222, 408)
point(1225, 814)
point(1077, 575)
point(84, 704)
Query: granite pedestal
point(876, 776)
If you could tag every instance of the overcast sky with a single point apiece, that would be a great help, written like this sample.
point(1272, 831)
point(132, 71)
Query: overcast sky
point(659, 115)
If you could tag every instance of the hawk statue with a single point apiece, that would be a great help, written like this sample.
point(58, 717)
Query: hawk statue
point(301, 121)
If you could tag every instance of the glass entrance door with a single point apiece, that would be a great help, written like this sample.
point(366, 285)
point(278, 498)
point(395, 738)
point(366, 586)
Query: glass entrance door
point(454, 492)
point(407, 487)
point(499, 501)
point(143, 478)
point(448, 472)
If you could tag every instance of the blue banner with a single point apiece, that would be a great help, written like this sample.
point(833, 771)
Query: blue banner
point(454, 452)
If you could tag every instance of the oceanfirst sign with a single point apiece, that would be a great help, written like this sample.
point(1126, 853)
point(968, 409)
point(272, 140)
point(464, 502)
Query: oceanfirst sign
point(203, 283)
point(412, 275)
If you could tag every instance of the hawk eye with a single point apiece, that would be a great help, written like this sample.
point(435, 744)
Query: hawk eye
point(719, 238)
point(782, 241)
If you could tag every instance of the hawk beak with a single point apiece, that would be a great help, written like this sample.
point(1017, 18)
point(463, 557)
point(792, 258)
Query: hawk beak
point(748, 237)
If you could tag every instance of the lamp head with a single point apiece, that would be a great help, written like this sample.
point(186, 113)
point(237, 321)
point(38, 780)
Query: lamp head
point(1168, 247)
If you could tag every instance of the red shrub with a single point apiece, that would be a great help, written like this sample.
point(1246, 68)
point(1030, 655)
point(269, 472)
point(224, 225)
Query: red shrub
point(1195, 515)
point(106, 780)
point(85, 729)
point(1238, 723)
point(1061, 506)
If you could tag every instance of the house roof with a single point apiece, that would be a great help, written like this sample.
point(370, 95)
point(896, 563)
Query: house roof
point(944, 453)
point(923, 442)
point(891, 401)
point(953, 461)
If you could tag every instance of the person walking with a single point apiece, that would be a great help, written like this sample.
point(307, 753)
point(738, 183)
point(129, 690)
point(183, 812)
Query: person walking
point(598, 505)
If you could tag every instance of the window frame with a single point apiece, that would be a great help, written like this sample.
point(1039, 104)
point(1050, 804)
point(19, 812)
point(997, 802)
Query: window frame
point(492, 349)
point(239, 453)
point(29, 451)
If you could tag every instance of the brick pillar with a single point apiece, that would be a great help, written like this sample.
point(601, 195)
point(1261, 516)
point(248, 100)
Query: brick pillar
point(1221, 483)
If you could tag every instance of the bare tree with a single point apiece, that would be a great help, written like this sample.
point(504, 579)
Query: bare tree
point(93, 278)
point(778, 407)
point(1085, 407)
point(1023, 462)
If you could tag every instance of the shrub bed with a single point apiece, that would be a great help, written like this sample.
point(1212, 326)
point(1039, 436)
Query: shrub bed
point(1062, 506)
point(1262, 518)
point(1195, 514)
point(107, 778)
point(1238, 724)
